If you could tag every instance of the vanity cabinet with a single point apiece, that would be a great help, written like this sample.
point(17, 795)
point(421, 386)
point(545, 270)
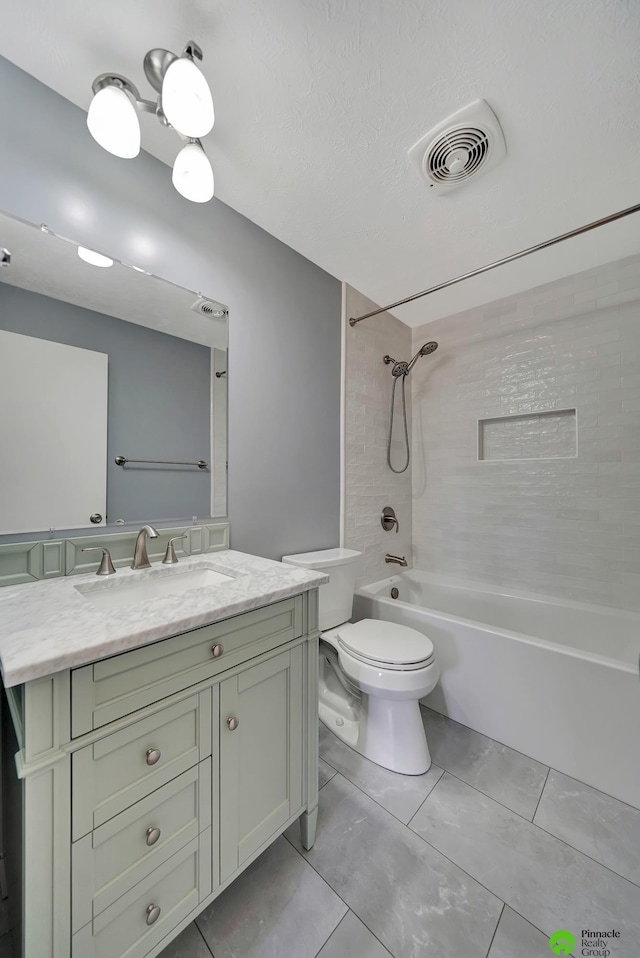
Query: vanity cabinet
point(147, 781)
point(261, 749)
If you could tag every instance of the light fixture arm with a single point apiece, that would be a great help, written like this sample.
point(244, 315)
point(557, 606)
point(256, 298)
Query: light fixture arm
point(115, 79)
point(155, 64)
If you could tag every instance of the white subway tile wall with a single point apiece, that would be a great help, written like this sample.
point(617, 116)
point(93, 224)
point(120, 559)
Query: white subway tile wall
point(370, 484)
point(544, 435)
point(560, 526)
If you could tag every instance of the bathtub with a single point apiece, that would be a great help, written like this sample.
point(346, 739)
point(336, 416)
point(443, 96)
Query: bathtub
point(556, 680)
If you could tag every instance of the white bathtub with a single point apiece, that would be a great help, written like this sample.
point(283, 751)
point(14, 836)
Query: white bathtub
point(558, 681)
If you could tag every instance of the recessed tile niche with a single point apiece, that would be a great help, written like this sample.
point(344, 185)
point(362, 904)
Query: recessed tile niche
point(540, 435)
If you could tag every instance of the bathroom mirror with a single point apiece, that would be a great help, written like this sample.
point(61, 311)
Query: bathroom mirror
point(113, 391)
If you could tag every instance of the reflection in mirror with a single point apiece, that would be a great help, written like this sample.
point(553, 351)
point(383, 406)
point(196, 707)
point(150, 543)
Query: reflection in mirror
point(99, 363)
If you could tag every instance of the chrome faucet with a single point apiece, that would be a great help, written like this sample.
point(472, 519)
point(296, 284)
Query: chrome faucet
point(399, 560)
point(140, 557)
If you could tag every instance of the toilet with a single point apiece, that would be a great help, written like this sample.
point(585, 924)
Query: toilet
point(372, 674)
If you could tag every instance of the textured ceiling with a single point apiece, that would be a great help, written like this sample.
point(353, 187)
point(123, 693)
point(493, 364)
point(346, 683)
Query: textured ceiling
point(318, 101)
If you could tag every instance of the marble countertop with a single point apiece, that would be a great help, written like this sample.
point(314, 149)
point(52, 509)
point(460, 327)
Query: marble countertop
point(49, 626)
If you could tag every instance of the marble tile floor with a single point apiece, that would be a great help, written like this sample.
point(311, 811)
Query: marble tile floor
point(484, 856)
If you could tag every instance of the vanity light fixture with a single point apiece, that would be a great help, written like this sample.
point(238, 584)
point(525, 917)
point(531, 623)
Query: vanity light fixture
point(112, 118)
point(94, 259)
point(183, 104)
point(192, 174)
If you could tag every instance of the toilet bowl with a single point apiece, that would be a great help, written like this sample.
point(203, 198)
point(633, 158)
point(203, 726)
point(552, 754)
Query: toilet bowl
point(372, 674)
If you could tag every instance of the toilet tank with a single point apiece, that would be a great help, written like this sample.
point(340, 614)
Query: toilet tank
point(335, 598)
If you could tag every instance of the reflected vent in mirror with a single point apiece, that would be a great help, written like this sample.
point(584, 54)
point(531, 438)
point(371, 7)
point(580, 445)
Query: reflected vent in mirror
point(209, 307)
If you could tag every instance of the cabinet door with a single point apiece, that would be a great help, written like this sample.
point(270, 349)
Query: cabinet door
point(261, 755)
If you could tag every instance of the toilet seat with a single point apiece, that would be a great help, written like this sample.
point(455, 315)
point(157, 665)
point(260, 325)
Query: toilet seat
point(385, 645)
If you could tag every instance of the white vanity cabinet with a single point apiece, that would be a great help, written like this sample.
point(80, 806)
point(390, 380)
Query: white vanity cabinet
point(147, 781)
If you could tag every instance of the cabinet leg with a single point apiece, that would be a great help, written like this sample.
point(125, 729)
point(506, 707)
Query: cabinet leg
point(308, 822)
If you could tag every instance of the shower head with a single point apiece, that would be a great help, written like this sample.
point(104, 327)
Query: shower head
point(423, 351)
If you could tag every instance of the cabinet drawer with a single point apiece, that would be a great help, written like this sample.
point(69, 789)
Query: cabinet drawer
point(108, 862)
point(113, 687)
point(124, 767)
point(175, 888)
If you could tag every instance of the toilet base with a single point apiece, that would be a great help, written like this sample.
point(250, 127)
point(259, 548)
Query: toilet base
point(387, 732)
point(393, 735)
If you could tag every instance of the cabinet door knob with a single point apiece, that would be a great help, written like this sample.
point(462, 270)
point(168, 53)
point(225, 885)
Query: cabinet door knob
point(217, 650)
point(232, 724)
point(153, 834)
point(153, 756)
point(153, 913)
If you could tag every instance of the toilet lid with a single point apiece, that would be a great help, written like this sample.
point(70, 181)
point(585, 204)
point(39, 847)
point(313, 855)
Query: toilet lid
point(386, 644)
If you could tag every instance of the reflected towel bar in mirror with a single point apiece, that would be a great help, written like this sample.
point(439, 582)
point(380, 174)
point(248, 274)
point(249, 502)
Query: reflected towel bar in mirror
point(201, 464)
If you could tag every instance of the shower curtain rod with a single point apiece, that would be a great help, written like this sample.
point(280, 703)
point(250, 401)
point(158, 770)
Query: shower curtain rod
point(500, 262)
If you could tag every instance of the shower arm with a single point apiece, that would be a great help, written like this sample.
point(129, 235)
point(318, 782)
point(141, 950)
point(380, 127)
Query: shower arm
point(500, 262)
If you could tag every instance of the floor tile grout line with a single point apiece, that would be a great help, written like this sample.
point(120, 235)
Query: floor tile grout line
point(432, 847)
point(350, 911)
point(529, 922)
point(338, 895)
point(393, 815)
point(324, 759)
point(551, 768)
point(454, 863)
point(528, 757)
point(567, 844)
point(206, 943)
point(334, 930)
point(335, 772)
point(491, 798)
point(533, 821)
point(529, 822)
point(495, 930)
point(480, 792)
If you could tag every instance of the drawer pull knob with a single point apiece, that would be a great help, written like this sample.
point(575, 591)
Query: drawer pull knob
point(153, 913)
point(217, 651)
point(153, 834)
point(153, 756)
point(232, 724)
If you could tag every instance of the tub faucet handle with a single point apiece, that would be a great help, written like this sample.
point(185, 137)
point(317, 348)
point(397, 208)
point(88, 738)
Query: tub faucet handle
point(388, 519)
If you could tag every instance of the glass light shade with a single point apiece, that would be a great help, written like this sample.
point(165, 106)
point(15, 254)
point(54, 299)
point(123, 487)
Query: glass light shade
point(113, 122)
point(186, 99)
point(192, 174)
point(95, 259)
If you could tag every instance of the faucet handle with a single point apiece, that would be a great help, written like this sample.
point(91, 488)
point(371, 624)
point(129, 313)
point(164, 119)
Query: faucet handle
point(106, 565)
point(170, 557)
point(388, 519)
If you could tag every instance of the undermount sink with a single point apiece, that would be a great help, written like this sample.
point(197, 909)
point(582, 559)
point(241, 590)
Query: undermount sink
point(116, 595)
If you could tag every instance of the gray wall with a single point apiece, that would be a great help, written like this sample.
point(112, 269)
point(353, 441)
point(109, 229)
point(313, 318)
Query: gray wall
point(159, 397)
point(284, 335)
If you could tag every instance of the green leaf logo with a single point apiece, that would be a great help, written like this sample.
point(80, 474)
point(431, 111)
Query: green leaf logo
point(562, 942)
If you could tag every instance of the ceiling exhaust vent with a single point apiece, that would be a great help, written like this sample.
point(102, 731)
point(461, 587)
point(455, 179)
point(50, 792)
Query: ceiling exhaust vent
point(466, 144)
point(209, 307)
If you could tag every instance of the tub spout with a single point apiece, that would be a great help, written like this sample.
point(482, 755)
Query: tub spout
point(399, 560)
